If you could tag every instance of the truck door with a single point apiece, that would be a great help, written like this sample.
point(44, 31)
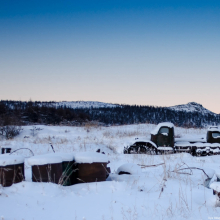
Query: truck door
point(163, 137)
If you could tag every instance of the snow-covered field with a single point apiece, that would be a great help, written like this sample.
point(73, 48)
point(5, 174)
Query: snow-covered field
point(157, 192)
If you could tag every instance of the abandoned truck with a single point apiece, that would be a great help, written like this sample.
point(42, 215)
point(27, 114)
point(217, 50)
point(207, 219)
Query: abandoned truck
point(163, 142)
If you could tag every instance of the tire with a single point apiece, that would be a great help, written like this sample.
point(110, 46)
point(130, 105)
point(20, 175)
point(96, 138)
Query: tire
point(131, 150)
point(160, 152)
point(198, 154)
point(142, 149)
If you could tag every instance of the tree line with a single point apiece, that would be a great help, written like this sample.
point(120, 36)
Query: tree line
point(127, 114)
point(22, 113)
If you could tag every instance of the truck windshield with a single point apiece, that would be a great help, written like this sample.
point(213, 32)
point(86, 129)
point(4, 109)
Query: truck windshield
point(216, 134)
point(164, 131)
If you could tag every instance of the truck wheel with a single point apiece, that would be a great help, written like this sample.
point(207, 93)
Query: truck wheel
point(142, 149)
point(151, 151)
point(198, 154)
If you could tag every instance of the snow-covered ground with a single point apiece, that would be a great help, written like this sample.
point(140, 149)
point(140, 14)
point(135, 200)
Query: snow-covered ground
point(158, 192)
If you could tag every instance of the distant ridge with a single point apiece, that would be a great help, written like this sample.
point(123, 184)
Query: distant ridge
point(191, 114)
point(189, 107)
point(85, 104)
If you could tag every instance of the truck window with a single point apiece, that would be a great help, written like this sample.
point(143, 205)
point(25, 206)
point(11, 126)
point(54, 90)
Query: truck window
point(164, 131)
point(216, 134)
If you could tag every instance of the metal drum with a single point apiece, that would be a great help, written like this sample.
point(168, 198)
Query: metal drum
point(47, 173)
point(91, 167)
point(46, 168)
point(11, 169)
point(91, 172)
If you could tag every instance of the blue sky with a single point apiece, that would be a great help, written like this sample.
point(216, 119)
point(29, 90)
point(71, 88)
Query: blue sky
point(136, 52)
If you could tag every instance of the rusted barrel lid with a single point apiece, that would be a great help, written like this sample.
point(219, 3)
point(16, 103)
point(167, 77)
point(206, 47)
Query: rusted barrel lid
point(90, 157)
point(44, 159)
point(6, 159)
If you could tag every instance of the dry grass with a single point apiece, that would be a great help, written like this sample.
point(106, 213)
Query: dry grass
point(124, 133)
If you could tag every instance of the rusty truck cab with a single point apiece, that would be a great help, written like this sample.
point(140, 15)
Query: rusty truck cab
point(213, 135)
point(163, 135)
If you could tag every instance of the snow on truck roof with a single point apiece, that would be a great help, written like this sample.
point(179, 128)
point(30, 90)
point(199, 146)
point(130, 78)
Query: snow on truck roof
point(163, 124)
point(214, 128)
point(6, 159)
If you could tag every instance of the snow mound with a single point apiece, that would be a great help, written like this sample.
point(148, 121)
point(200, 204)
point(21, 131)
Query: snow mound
point(129, 168)
point(217, 173)
point(90, 157)
point(209, 172)
point(215, 186)
point(6, 159)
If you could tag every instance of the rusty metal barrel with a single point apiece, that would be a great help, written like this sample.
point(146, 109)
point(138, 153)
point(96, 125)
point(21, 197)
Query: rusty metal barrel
point(11, 169)
point(213, 135)
point(91, 167)
point(46, 168)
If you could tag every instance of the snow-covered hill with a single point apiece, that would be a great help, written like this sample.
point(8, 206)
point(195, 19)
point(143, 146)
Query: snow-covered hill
point(191, 107)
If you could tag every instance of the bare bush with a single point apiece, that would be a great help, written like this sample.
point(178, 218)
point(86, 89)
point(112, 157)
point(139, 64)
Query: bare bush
point(9, 127)
point(10, 131)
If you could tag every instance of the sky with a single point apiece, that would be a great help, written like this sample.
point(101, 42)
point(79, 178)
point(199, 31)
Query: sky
point(160, 53)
